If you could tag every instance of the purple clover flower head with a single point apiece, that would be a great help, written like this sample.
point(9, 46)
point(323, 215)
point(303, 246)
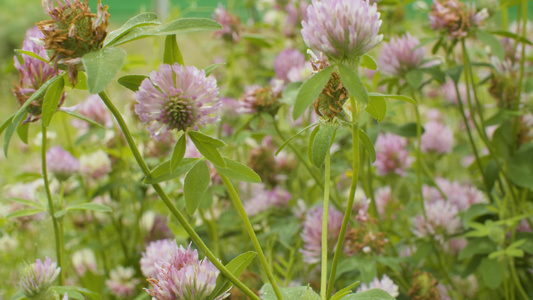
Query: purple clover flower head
point(391, 154)
point(400, 55)
point(121, 282)
point(156, 251)
point(385, 284)
point(33, 73)
point(181, 276)
point(342, 29)
point(61, 163)
point(312, 232)
point(186, 102)
point(231, 25)
point(383, 198)
point(437, 137)
point(263, 199)
point(289, 65)
point(38, 277)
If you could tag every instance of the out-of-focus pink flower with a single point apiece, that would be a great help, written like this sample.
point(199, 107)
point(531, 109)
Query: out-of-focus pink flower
point(401, 55)
point(155, 252)
point(84, 260)
point(312, 232)
point(391, 154)
point(61, 163)
point(178, 98)
point(462, 196)
point(95, 165)
point(289, 65)
point(342, 29)
point(455, 18)
point(442, 219)
point(181, 275)
point(262, 199)
point(121, 282)
point(385, 284)
point(94, 109)
point(436, 137)
point(231, 25)
point(37, 278)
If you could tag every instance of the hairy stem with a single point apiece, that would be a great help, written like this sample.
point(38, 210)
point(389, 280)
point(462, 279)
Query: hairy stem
point(325, 211)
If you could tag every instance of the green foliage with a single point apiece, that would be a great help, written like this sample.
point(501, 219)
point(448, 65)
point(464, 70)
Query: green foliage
point(353, 83)
point(178, 153)
point(236, 266)
point(238, 171)
point(310, 90)
point(172, 52)
point(51, 100)
point(322, 143)
point(196, 183)
point(102, 67)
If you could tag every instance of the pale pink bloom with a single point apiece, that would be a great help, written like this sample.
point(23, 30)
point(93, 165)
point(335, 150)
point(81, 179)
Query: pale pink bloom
point(456, 245)
point(342, 29)
point(455, 17)
point(449, 93)
point(462, 196)
point(121, 282)
point(177, 97)
point(263, 198)
point(312, 232)
point(84, 260)
point(523, 226)
point(289, 65)
point(231, 24)
point(433, 114)
point(61, 163)
point(94, 109)
point(37, 278)
point(401, 55)
point(95, 165)
point(442, 219)
point(391, 154)
point(437, 137)
point(182, 276)
point(155, 252)
point(385, 284)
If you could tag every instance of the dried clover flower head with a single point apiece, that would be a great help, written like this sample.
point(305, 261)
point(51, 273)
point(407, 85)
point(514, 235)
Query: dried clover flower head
point(73, 31)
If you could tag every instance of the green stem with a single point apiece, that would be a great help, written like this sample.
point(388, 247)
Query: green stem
point(419, 158)
point(516, 280)
point(351, 199)
point(516, 104)
point(248, 225)
point(177, 214)
point(324, 268)
point(57, 231)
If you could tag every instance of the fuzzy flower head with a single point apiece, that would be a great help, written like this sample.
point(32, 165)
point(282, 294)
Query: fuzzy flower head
point(84, 260)
point(442, 219)
point(121, 282)
point(61, 163)
point(95, 165)
point(385, 284)
point(437, 137)
point(231, 25)
point(178, 98)
point(38, 277)
point(400, 55)
point(257, 99)
point(455, 18)
point(73, 31)
point(182, 276)
point(391, 154)
point(156, 251)
point(290, 65)
point(312, 232)
point(33, 73)
point(342, 29)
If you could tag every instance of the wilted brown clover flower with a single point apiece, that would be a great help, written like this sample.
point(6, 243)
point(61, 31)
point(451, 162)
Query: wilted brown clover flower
point(424, 287)
point(334, 95)
point(73, 31)
point(455, 17)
